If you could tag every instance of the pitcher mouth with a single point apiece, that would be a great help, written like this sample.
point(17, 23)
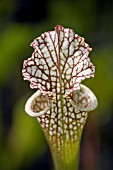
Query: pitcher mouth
point(37, 104)
point(82, 100)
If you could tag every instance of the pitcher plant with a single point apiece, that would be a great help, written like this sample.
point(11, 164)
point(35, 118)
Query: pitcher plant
point(61, 103)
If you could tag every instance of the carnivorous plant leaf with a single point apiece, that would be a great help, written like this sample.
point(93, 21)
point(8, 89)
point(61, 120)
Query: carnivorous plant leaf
point(58, 65)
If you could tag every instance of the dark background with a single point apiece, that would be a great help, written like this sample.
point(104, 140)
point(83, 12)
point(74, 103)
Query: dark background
point(22, 143)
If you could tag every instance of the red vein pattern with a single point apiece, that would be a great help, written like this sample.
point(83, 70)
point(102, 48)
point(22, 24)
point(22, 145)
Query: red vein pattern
point(60, 56)
point(58, 65)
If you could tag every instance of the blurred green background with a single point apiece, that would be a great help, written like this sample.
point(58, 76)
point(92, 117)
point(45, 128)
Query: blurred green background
point(22, 143)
